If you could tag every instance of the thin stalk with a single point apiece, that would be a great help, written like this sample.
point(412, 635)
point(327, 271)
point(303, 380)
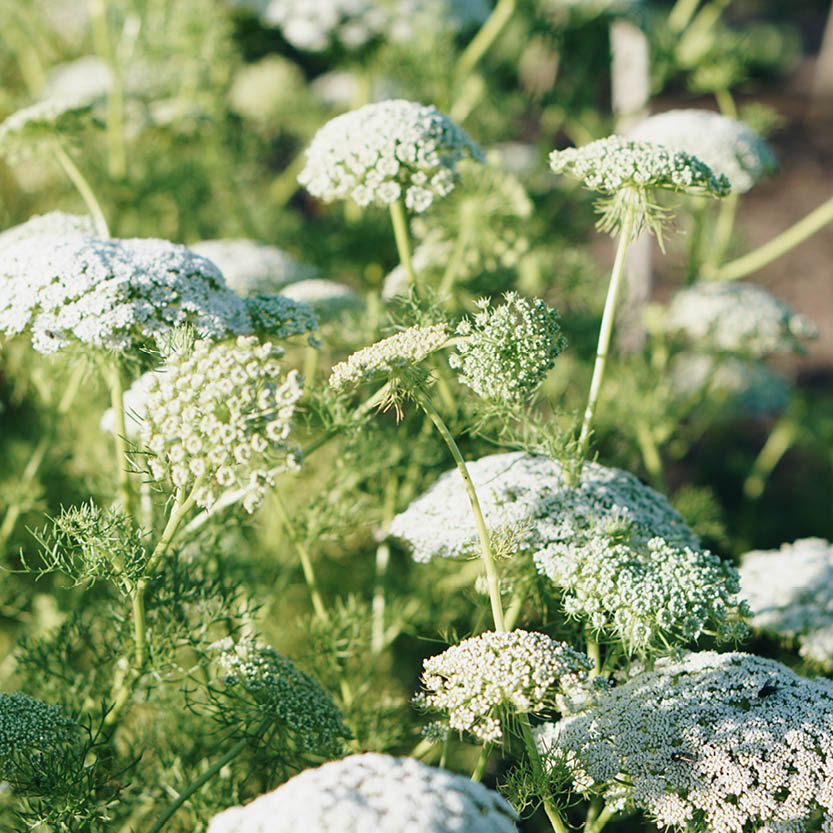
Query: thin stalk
point(696, 241)
point(776, 446)
point(377, 639)
point(83, 187)
point(625, 234)
point(452, 270)
point(722, 231)
point(681, 14)
point(557, 822)
point(482, 532)
point(285, 184)
point(119, 433)
point(514, 611)
point(699, 27)
point(780, 245)
point(650, 453)
point(600, 821)
point(726, 103)
point(403, 242)
point(310, 364)
point(480, 44)
point(593, 652)
point(482, 759)
point(304, 557)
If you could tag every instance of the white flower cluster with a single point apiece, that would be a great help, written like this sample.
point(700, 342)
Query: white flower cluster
point(724, 742)
point(276, 316)
point(391, 355)
point(315, 25)
point(29, 726)
point(372, 792)
point(113, 294)
point(219, 417)
point(292, 698)
point(328, 298)
point(252, 268)
point(385, 151)
point(135, 403)
point(475, 682)
point(726, 145)
point(52, 223)
point(737, 317)
point(504, 353)
point(790, 591)
point(22, 132)
point(611, 164)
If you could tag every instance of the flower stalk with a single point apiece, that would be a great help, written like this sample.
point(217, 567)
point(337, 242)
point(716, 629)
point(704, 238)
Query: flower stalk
point(403, 242)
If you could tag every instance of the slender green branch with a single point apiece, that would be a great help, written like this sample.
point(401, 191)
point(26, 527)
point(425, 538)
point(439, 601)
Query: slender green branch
point(625, 234)
point(482, 531)
point(377, 639)
point(557, 822)
point(780, 245)
point(722, 231)
point(593, 651)
point(726, 103)
point(600, 821)
point(480, 44)
point(80, 182)
point(650, 453)
point(482, 760)
point(285, 183)
point(776, 446)
point(403, 242)
point(681, 14)
point(119, 432)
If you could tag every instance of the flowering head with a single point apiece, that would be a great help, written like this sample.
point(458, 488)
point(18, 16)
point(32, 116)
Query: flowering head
point(26, 131)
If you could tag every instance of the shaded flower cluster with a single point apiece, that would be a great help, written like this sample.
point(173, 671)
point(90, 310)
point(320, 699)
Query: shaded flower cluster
point(281, 693)
point(729, 742)
point(504, 353)
point(328, 298)
point(276, 316)
point(219, 417)
point(51, 223)
point(386, 151)
point(372, 792)
point(24, 131)
point(497, 674)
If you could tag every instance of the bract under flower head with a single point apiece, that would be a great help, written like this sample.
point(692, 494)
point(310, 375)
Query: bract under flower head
point(372, 792)
point(726, 145)
point(252, 268)
point(790, 591)
point(391, 355)
point(483, 677)
point(218, 417)
point(735, 317)
point(386, 151)
point(51, 223)
point(721, 742)
point(255, 673)
point(113, 294)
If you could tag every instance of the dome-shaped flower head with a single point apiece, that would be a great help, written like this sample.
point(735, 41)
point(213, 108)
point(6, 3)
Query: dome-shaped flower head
point(626, 172)
point(735, 317)
point(726, 145)
point(392, 356)
point(252, 268)
point(372, 792)
point(25, 132)
point(276, 316)
point(113, 294)
point(261, 684)
point(504, 353)
point(386, 151)
point(51, 223)
point(719, 742)
point(329, 299)
point(219, 416)
point(621, 558)
point(497, 674)
point(790, 591)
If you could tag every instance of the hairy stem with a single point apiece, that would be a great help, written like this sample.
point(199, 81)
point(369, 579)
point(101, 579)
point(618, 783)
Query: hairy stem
point(403, 241)
point(79, 181)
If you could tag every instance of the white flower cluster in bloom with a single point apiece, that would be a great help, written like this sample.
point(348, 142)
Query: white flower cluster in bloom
point(790, 591)
point(611, 164)
point(372, 792)
point(219, 417)
point(391, 355)
point(22, 132)
point(622, 557)
point(29, 726)
point(483, 677)
point(737, 317)
point(135, 403)
point(315, 25)
point(52, 223)
point(329, 299)
point(87, 79)
point(386, 151)
point(113, 294)
point(292, 698)
point(726, 145)
point(252, 268)
point(721, 742)
point(276, 316)
point(504, 353)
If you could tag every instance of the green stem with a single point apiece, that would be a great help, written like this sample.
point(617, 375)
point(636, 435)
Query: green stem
point(681, 14)
point(119, 433)
point(780, 245)
point(377, 639)
point(778, 443)
point(695, 258)
point(483, 40)
point(625, 234)
point(600, 821)
point(726, 103)
point(403, 243)
point(550, 809)
point(80, 182)
point(722, 231)
point(304, 556)
point(482, 531)
point(593, 651)
point(514, 611)
point(285, 183)
point(482, 760)
point(650, 453)
point(452, 270)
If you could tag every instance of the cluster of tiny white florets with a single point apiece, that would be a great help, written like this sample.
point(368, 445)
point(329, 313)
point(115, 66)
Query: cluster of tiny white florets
point(606, 543)
point(726, 742)
point(504, 353)
point(737, 317)
point(329, 299)
point(29, 727)
point(391, 355)
point(219, 417)
point(276, 316)
point(726, 145)
point(291, 698)
point(372, 792)
point(252, 268)
point(315, 25)
point(790, 591)
point(386, 151)
point(52, 223)
point(611, 164)
point(113, 294)
point(22, 132)
point(496, 675)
